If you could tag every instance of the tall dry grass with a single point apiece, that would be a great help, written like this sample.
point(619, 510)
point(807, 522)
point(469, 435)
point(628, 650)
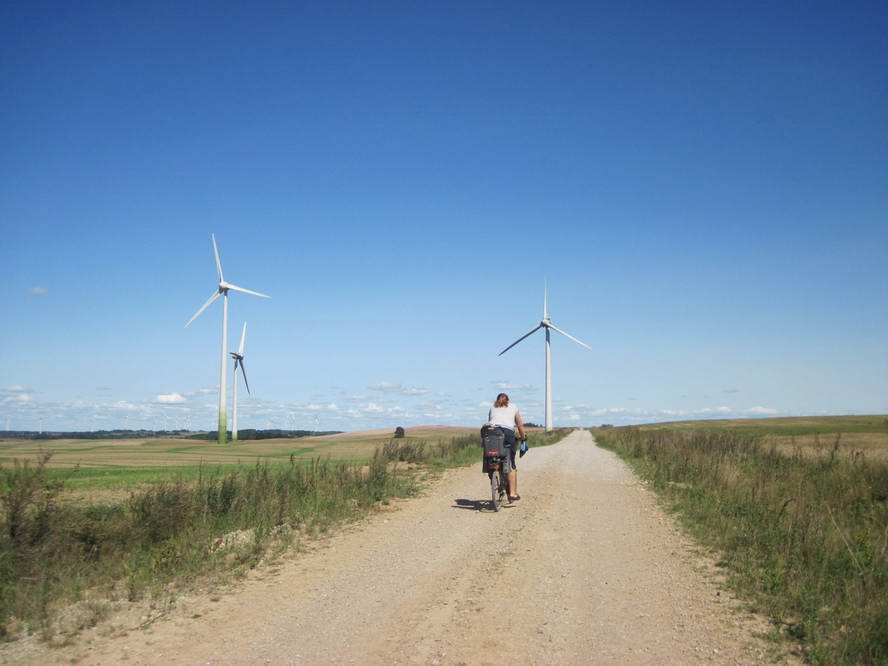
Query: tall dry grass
point(52, 553)
point(805, 540)
point(462, 450)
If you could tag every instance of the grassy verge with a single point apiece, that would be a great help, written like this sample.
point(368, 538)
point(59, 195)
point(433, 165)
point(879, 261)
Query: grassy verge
point(805, 540)
point(202, 523)
point(458, 451)
point(53, 554)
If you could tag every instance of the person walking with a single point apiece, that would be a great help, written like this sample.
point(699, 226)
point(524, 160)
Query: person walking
point(506, 417)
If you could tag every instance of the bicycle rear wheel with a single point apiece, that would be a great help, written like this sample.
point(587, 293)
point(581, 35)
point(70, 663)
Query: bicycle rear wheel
point(494, 490)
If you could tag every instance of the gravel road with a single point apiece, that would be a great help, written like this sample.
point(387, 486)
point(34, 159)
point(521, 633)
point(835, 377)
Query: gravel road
point(585, 569)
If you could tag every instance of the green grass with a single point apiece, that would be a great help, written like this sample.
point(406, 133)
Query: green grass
point(804, 539)
point(130, 478)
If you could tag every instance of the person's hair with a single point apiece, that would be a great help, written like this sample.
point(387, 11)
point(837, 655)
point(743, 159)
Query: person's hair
point(502, 400)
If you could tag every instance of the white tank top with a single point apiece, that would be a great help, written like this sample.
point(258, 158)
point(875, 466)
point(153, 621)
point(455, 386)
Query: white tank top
point(504, 417)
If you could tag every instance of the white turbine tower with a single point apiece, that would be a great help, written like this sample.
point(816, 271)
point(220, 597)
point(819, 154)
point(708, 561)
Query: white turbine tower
point(238, 357)
point(222, 290)
point(547, 324)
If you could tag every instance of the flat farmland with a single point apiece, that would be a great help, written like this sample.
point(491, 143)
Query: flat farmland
point(810, 435)
point(125, 462)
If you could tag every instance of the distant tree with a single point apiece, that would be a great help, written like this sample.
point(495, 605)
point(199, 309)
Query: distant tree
point(399, 432)
point(531, 424)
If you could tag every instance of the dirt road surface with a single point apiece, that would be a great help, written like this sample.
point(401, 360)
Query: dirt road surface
point(585, 569)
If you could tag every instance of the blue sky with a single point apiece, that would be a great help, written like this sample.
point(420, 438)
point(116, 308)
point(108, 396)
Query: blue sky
point(704, 185)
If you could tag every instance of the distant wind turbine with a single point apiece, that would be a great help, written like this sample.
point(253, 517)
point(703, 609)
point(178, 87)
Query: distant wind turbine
point(238, 357)
point(222, 290)
point(547, 324)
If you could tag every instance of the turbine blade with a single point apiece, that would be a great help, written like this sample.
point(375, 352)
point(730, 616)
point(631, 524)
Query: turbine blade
point(234, 287)
point(203, 307)
point(520, 339)
point(568, 335)
point(240, 349)
point(545, 299)
point(244, 372)
point(218, 261)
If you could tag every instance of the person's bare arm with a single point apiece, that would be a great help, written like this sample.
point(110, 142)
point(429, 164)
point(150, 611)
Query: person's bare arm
point(519, 423)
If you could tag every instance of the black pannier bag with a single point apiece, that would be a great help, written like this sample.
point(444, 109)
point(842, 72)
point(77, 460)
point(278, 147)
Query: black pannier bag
point(493, 441)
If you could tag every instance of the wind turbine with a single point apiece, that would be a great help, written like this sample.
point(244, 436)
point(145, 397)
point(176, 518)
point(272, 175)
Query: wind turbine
point(222, 290)
point(547, 324)
point(238, 357)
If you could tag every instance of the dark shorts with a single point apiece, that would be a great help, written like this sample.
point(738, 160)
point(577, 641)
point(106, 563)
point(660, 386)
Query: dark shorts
point(510, 444)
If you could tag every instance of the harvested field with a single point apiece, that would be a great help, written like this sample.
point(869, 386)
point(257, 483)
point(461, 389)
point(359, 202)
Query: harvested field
point(783, 425)
point(812, 436)
point(872, 445)
point(127, 463)
point(147, 453)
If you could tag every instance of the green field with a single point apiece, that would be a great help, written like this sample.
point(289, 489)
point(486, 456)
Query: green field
point(113, 464)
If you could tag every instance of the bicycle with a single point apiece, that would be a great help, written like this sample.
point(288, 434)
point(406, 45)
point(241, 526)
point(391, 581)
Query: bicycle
point(495, 452)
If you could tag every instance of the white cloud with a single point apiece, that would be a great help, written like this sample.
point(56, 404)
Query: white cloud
point(509, 386)
point(385, 387)
point(315, 407)
point(715, 410)
point(372, 408)
point(38, 291)
point(673, 412)
point(610, 410)
point(392, 387)
point(170, 398)
point(761, 410)
point(16, 394)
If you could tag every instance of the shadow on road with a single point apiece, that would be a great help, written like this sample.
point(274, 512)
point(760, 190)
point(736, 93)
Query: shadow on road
point(472, 505)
